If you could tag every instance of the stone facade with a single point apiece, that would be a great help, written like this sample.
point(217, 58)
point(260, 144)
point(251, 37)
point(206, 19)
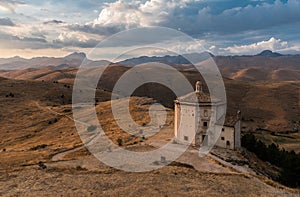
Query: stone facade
point(197, 118)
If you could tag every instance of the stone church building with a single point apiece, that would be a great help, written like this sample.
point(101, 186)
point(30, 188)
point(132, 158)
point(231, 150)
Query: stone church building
point(197, 120)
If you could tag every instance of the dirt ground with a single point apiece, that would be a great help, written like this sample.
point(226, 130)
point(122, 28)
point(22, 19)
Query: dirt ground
point(167, 181)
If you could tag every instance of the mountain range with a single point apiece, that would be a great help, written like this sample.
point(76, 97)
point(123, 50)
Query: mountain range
point(19, 63)
point(264, 66)
point(265, 58)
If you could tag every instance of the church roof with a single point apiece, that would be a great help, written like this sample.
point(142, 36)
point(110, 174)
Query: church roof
point(230, 120)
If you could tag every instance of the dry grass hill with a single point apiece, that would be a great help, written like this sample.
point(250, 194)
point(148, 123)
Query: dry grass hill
point(37, 125)
point(270, 105)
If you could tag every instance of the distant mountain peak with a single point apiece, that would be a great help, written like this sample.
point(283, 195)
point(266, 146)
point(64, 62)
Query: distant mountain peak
point(76, 55)
point(17, 58)
point(269, 53)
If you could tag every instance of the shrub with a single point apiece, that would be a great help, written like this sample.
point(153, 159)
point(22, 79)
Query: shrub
point(80, 168)
point(10, 95)
point(39, 147)
point(120, 141)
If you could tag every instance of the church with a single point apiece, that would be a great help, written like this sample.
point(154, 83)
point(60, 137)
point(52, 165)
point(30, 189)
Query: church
point(197, 121)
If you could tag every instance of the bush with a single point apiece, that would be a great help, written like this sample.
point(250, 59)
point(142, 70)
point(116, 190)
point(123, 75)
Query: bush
point(10, 95)
point(42, 146)
point(80, 168)
point(120, 141)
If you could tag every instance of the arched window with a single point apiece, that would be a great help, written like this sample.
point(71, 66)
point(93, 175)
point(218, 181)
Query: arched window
point(227, 143)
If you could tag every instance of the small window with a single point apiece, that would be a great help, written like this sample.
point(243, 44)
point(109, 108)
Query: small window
point(186, 138)
point(192, 114)
point(222, 138)
point(228, 143)
point(205, 124)
point(223, 129)
point(205, 113)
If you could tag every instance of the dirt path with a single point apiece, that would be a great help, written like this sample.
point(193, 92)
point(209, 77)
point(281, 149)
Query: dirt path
point(236, 168)
point(57, 113)
point(60, 156)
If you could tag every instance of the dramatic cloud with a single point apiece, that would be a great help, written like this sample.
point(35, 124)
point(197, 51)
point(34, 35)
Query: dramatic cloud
point(121, 15)
point(135, 13)
point(6, 22)
point(272, 44)
point(193, 17)
point(223, 27)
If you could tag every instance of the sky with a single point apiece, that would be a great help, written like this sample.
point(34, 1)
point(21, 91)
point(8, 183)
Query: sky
point(31, 28)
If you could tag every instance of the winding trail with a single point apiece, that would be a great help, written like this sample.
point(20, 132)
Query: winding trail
point(57, 113)
point(60, 156)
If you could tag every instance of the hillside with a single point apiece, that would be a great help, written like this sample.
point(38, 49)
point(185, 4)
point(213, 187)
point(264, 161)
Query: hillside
point(62, 75)
point(271, 105)
point(38, 127)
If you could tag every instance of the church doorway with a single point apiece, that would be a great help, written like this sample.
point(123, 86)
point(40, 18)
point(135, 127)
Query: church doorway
point(204, 140)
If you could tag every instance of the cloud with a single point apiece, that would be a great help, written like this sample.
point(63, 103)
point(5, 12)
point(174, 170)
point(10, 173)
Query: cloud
point(201, 19)
point(271, 44)
point(130, 14)
point(10, 5)
point(53, 22)
point(74, 39)
point(226, 26)
point(96, 29)
point(122, 15)
point(17, 42)
point(39, 37)
point(195, 17)
point(6, 36)
point(6, 22)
